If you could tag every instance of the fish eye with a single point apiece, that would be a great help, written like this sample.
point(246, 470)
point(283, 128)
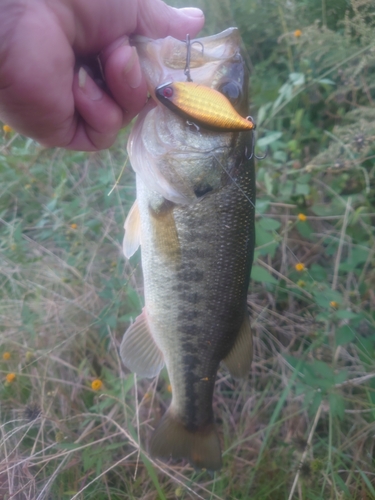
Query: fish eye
point(231, 90)
point(167, 92)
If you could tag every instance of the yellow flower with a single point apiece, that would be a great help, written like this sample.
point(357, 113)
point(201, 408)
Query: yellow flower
point(7, 129)
point(96, 384)
point(302, 217)
point(10, 377)
point(59, 437)
point(334, 304)
point(169, 388)
point(29, 356)
point(6, 356)
point(73, 226)
point(299, 267)
point(297, 33)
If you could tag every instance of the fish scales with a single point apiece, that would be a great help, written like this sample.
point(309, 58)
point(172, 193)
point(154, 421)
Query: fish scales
point(194, 220)
point(198, 286)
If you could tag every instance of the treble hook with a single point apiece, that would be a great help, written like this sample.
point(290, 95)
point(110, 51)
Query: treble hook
point(252, 154)
point(188, 56)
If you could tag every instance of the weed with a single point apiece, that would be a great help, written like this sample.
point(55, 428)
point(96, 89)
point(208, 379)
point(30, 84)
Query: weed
point(302, 424)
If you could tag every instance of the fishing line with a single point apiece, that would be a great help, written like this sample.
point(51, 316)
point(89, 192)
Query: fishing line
point(119, 176)
point(234, 181)
point(291, 252)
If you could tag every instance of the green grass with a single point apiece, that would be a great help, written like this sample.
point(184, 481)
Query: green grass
point(67, 294)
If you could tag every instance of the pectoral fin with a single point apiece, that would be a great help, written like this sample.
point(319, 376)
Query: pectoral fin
point(132, 227)
point(238, 361)
point(138, 350)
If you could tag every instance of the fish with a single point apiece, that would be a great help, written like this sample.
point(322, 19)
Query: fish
point(194, 220)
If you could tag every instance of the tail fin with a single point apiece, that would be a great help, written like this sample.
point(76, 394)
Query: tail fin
point(172, 440)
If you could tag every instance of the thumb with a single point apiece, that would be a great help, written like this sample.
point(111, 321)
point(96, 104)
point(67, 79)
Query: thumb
point(158, 20)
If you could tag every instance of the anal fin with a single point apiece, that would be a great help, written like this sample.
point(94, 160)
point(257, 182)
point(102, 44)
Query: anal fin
point(138, 350)
point(238, 361)
point(201, 447)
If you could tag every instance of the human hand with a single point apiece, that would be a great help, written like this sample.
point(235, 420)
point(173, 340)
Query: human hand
point(42, 93)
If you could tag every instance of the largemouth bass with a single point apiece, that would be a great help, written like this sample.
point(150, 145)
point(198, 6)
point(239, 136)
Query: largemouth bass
point(194, 220)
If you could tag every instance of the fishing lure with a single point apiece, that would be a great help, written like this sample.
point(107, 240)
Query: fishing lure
point(202, 105)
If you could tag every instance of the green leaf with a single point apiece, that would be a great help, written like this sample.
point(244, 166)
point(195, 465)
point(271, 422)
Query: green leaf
point(304, 229)
point(269, 224)
point(286, 189)
point(269, 139)
point(315, 403)
point(341, 484)
point(326, 81)
point(280, 156)
point(358, 256)
point(268, 183)
point(111, 321)
point(322, 369)
point(324, 296)
point(337, 405)
point(302, 189)
point(344, 335)
point(368, 484)
point(297, 78)
point(341, 376)
point(319, 375)
point(262, 113)
point(154, 478)
point(262, 237)
point(262, 206)
point(309, 394)
point(261, 275)
point(304, 179)
point(317, 272)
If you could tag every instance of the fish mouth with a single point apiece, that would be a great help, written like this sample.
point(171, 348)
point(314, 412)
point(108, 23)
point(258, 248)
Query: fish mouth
point(172, 156)
point(213, 59)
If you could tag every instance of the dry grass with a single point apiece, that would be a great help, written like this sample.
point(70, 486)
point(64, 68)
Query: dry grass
point(64, 309)
point(302, 425)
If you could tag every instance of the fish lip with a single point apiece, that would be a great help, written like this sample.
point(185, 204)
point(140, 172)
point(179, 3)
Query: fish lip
point(135, 40)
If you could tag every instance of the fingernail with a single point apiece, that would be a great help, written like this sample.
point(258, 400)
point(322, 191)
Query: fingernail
point(132, 71)
point(191, 12)
point(88, 86)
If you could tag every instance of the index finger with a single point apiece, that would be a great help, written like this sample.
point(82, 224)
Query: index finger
point(120, 61)
point(156, 19)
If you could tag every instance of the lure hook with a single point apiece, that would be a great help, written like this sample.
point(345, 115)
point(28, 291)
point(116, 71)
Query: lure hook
point(252, 154)
point(188, 56)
